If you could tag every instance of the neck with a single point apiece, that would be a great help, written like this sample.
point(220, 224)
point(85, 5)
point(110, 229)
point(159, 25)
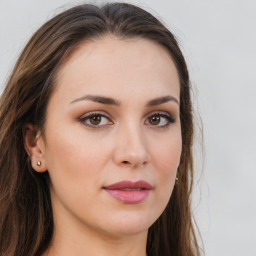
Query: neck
point(79, 240)
point(104, 245)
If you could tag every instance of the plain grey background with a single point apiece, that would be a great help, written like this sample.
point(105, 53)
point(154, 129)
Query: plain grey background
point(218, 39)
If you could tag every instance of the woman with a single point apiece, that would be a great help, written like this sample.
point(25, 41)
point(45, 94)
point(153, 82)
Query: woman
point(96, 139)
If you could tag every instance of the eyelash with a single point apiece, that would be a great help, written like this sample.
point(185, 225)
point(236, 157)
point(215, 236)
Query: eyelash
point(83, 119)
point(169, 119)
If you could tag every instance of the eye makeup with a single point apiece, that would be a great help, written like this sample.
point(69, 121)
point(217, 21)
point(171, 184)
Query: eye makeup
point(96, 119)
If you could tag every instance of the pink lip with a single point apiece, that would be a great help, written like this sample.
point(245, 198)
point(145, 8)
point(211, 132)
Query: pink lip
point(129, 192)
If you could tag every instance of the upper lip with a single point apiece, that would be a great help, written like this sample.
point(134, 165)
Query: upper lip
point(126, 184)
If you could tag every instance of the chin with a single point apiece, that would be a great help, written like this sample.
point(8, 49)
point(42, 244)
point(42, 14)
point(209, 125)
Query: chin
point(131, 224)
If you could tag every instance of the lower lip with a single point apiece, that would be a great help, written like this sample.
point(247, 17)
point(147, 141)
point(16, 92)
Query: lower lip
point(129, 197)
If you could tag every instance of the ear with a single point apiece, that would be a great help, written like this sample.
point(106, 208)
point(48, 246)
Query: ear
point(35, 147)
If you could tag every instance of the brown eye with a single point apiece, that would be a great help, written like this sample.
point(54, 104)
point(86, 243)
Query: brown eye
point(95, 120)
point(155, 120)
point(160, 120)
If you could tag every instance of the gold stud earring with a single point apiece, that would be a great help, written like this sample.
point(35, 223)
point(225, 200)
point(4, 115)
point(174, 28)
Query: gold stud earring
point(177, 179)
point(38, 163)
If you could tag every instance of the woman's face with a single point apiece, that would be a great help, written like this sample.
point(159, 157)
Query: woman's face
point(112, 140)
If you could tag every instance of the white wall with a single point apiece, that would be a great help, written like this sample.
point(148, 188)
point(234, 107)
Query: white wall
point(218, 39)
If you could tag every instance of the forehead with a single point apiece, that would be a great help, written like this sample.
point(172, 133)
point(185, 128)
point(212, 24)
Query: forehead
point(110, 65)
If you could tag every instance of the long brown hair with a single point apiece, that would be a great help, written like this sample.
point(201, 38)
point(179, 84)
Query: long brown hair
point(26, 219)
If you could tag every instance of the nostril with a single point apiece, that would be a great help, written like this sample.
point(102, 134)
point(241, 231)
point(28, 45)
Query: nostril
point(125, 162)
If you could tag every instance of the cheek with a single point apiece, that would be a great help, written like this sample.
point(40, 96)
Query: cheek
point(167, 159)
point(76, 162)
point(167, 154)
point(74, 151)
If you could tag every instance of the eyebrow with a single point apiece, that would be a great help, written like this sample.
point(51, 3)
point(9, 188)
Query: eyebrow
point(162, 100)
point(111, 101)
point(99, 99)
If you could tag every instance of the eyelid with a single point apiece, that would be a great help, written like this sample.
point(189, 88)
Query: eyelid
point(163, 114)
point(86, 116)
point(170, 118)
point(158, 112)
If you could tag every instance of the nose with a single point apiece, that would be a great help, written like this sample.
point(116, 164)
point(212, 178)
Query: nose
point(131, 148)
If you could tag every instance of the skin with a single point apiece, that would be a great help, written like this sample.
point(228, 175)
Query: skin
point(125, 145)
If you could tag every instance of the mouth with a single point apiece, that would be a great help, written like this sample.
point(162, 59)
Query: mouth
point(129, 192)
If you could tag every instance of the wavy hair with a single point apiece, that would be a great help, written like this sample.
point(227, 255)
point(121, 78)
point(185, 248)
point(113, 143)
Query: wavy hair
point(26, 219)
